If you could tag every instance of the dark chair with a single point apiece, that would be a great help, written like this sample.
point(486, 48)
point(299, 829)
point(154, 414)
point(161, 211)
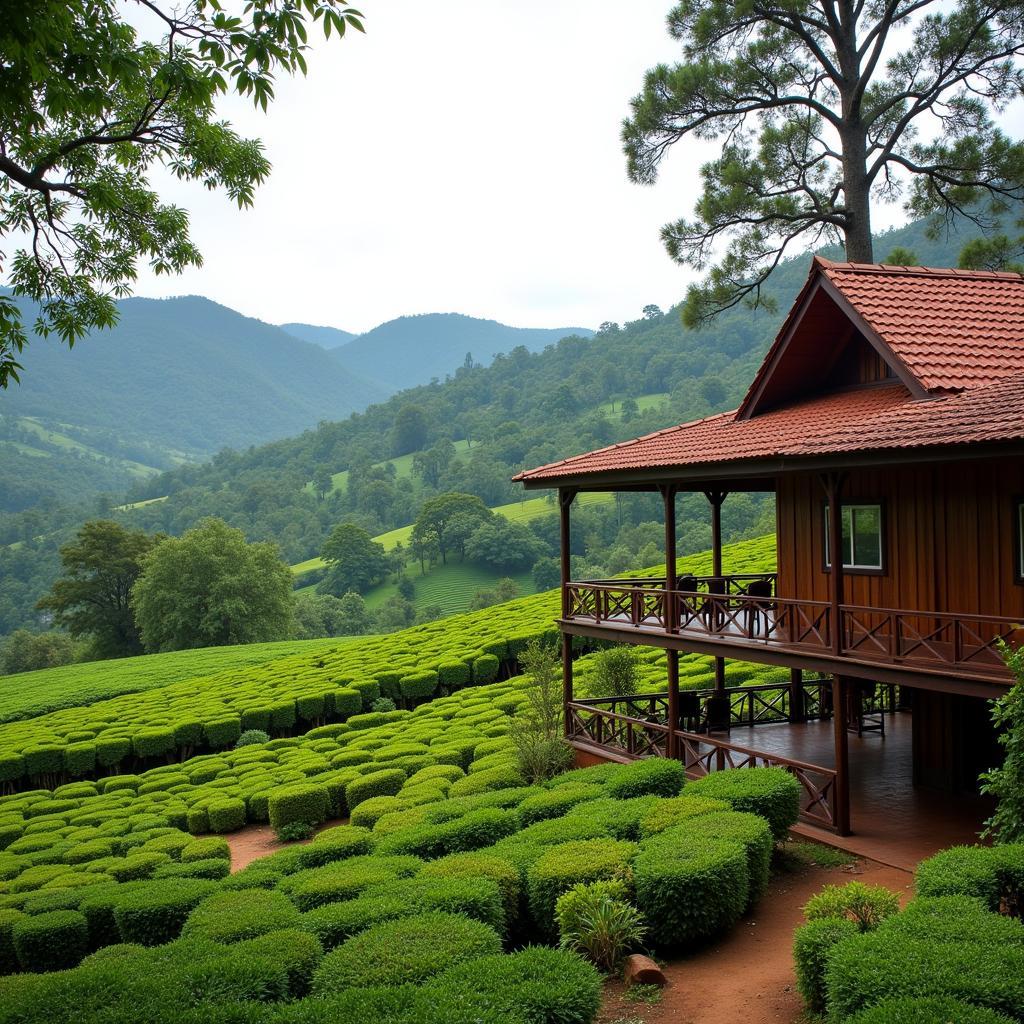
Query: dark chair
point(718, 712)
point(689, 710)
point(867, 712)
point(687, 608)
point(760, 608)
point(711, 610)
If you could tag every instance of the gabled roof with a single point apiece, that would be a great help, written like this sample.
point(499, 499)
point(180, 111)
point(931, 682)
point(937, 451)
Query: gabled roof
point(953, 339)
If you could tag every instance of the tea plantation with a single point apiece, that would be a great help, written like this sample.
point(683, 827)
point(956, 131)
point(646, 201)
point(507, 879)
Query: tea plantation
point(435, 902)
point(303, 691)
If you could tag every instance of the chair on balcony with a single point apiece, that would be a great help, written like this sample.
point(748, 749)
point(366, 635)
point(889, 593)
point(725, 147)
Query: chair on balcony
point(711, 609)
point(758, 610)
point(687, 607)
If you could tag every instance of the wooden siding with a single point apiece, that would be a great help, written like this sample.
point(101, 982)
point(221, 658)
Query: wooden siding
point(948, 536)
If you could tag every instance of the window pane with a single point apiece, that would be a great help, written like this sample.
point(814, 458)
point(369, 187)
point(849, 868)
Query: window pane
point(867, 536)
point(847, 538)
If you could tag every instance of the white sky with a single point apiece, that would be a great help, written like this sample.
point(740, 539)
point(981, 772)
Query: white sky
point(459, 157)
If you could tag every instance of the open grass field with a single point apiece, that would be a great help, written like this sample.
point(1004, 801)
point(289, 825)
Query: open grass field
point(60, 440)
point(643, 403)
point(450, 587)
point(33, 693)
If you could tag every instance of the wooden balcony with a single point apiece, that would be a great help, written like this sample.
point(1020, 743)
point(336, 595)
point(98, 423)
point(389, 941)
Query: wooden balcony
point(732, 616)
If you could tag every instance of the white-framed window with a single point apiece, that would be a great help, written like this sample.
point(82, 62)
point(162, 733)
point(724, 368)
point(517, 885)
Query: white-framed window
point(863, 543)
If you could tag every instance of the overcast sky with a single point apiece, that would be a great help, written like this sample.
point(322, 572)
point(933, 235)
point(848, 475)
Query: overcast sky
point(460, 157)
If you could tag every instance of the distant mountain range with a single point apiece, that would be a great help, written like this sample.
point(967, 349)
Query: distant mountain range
point(413, 350)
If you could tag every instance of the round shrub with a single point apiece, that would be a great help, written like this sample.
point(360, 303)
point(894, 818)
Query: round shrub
point(954, 919)
point(153, 742)
point(553, 803)
point(297, 952)
point(226, 815)
point(297, 803)
point(335, 923)
point(386, 782)
point(204, 849)
point(223, 732)
point(213, 867)
point(370, 811)
point(485, 669)
point(472, 831)
point(478, 898)
point(562, 866)
point(773, 793)
point(453, 674)
point(655, 776)
point(688, 888)
point(482, 864)
point(812, 945)
point(50, 942)
point(749, 830)
point(80, 759)
point(990, 873)
point(8, 955)
point(338, 843)
point(928, 1010)
point(505, 776)
point(252, 737)
point(408, 950)
point(668, 813)
point(545, 986)
point(154, 913)
point(341, 880)
point(233, 916)
point(382, 704)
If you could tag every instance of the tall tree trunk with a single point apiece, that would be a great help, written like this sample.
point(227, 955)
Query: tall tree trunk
point(857, 194)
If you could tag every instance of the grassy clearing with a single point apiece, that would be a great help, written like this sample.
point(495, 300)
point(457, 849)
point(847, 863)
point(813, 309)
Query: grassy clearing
point(34, 693)
point(451, 587)
point(140, 504)
point(643, 403)
point(60, 440)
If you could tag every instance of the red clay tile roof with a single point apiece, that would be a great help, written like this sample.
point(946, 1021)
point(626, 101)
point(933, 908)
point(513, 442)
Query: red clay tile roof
point(952, 328)
point(866, 419)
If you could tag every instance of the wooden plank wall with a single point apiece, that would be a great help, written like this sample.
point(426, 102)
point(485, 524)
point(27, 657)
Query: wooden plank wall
point(949, 536)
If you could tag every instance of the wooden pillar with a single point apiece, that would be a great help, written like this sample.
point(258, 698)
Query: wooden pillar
point(833, 483)
point(565, 499)
point(672, 662)
point(668, 495)
point(841, 801)
point(715, 499)
point(797, 710)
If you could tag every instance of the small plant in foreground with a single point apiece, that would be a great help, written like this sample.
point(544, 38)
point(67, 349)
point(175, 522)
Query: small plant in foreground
point(866, 905)
point(251, 737)
point(536, 729)
point(382, 704)
point(596, 921)
point(644, 994)
point(1006, 783)
point(615, 672)
point(294, 831)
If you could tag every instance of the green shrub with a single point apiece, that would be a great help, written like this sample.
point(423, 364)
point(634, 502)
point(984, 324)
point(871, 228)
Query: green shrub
point(773, 793)
point(562, 866)
point(310, 708)
point(50, 942)
point(80, 759)
point(478, 898)
point(669, 813)
point(994, 874)
point(408, 950)
point(485, 669)
point(382, 704)
point(305, 803)
point(224, 732)
point(341, 880)
point(232, 916)
point(257, 875)
point(865, 905)
point(298, 952)
point(212, 867)
point(544, 986)
point(8, 955)
point(689, 888)
point(347, 702)
point(386, 782)
point(453, 674)
point(865, 969)
point(154, 912)
point(954, 919)
point(334, 923)
point(656, 776)
point(477, 829)
point(336, 843)
point(553, 803)
point(294, 832)
point(368, 690)
point(418, 685)
point(226, 816)
point(482, 864)
point(135, 866)
point(153, 742)
point(812, 945)
point(596, 920)
point(925, 1010)
point(204, 849)
point(370, 811)
point(252, 736)
point(503, 777)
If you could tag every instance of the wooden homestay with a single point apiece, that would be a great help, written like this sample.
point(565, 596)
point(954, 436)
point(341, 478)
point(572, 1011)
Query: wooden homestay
point(888, 420)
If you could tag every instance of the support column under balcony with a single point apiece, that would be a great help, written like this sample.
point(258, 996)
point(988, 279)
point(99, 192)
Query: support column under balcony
point(668, 494)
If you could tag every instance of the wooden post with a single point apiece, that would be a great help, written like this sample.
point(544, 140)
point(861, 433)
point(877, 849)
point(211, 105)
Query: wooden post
point(797, 711)
point(565, 499)
point(833, 489)
point(566, 682)
point(841, 802)
point(672, 661)
point(715, 499)
point(668, 497)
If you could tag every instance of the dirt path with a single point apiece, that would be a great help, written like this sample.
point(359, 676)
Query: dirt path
point(747, 977)
point(255, 841)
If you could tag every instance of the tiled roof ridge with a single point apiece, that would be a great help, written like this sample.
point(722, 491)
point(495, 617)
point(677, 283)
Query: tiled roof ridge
point(849, 266)
point(628, 443)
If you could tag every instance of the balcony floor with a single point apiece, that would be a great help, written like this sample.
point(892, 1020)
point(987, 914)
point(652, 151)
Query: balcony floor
point(893, 822)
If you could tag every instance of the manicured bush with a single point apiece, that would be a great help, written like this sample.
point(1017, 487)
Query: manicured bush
point(477, 829)
point(341, 880)
point(153, 742)
point(553, 803)
point(812, 945)
point(562, 866)
point(749, 830)
point(305, 803)
point(655, 776)
point(408, 950)
point(8, 955)
point(223, 732)
point(865, 969)
point(994, 874)
point(773, 793)
point(154, 912)
point(80, 759)
point(135, 866)
point(544, 986)
point(503, 777)
point(453, 674)
point(296, 951)
point(232, 916)
point(866, 905)
point(251, 735)
point(418, 685)
point(334, 923)
point(954, 919)
point(485, 669)
point(226, 815)
point(482, 864)
point(925, 1010)
point(668, 813)
point(50, 942)
point(478, 898)
point(257, 875)
point(386, 782)
point(347, 702)
point(689, 888)
point(370, 811)
point(204, 849)
point(212, 867)
point(336, 843)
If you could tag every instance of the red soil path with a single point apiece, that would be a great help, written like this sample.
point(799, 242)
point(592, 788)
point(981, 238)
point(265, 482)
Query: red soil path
point(747, 977)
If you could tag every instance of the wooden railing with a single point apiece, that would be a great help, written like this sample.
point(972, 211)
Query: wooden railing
point(604, 722)
point(720, 608)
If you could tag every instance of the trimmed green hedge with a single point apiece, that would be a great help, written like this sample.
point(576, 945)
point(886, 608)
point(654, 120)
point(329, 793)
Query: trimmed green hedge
point(386, 782)
point(50, 942)
point(928, 1010)
point(299, 803)
point(991, 873)
point(410, 949)
point(813, 944)
point(244, 914)
point(772, 793)
point(155, 912)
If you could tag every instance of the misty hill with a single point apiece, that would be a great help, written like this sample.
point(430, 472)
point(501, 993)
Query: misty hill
point(187, 375)
point(413, 350)
point(325, 337)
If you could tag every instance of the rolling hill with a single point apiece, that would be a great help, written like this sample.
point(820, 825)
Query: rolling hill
point(325, 337)
point(413, 350)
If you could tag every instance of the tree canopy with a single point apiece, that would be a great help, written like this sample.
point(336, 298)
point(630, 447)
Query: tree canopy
point(92, 600)
point(209, 588)
point(90, 104)
point(447, 522)
point(819, 108)
point(355, 561)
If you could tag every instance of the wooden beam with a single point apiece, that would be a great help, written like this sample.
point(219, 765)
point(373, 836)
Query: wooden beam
point(841, 797)
point(565, 500)
point(797, 708)
point(668, 497)
point(833, 484)
point(672, 661)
